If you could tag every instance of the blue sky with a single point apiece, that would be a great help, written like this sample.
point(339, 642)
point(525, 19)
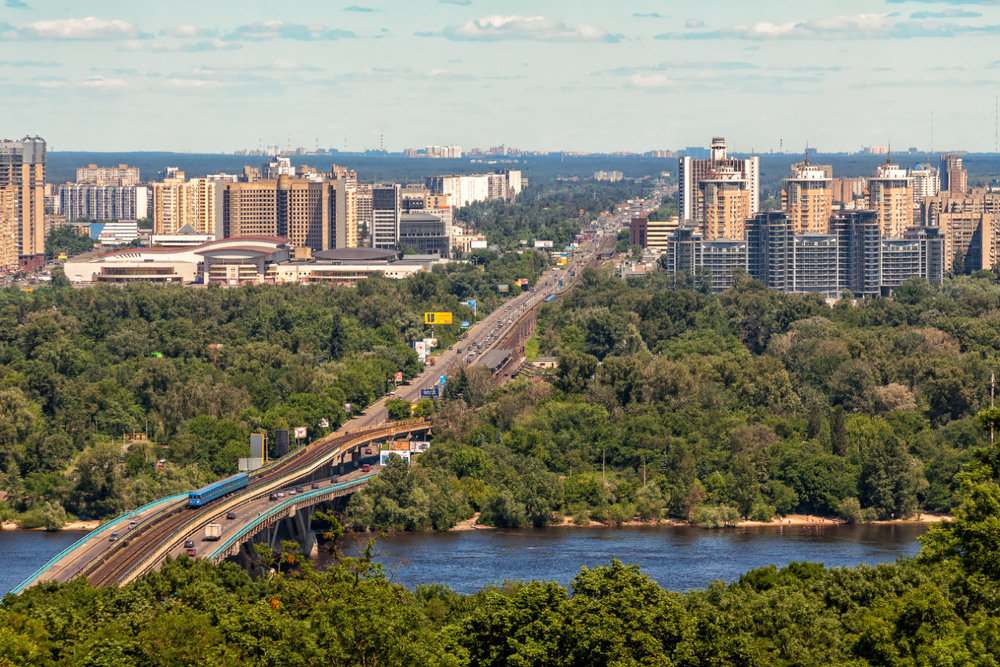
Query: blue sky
point(218, 75)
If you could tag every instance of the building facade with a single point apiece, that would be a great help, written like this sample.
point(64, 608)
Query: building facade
point(385, 216)
point(807, 198)
point(122, 175)
point(103, 202)
point(176, 202)
point(22, 165)
point(692, 171)
point(890, 194)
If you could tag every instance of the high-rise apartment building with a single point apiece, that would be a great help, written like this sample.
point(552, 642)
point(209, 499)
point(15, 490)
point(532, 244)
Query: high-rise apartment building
point(691, 171)
point(954, 178)
point(926, 182)
point(860, 239)
point(8, 229)
point(22, 165)
point(103, 202)
point(176, 202)
point(364, 199)
point(385, 216)
point(970, 240)
point(652, 234)
point(846, 190)
point(807, 198)
point(723, 204)
point(890, 194)
point(343, 208)
point(120, 175)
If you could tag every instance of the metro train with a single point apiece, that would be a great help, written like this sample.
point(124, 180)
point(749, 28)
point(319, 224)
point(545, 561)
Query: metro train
point(207, 494)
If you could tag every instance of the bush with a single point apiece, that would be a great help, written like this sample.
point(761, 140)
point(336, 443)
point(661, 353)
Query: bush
point(715, 516)
point(849, 510)
point(762, 512)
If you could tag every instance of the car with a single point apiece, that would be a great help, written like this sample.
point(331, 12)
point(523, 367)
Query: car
point(113, 537)
point(132, 524)
point(189, 544)
point(392, 393)
point(281, 494)
point(368, 450)
point(230, 515)
point(191, 552)
point(273, 496)
point(291, 492)
point(450, 347)
point(366, 468)
point(299, 489)
point(335, 479)
point(315, 485)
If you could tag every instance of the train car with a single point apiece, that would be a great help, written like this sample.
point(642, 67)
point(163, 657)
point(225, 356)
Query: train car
point(208, 493)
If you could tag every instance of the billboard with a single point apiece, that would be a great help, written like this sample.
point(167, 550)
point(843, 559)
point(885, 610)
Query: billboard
point(437, 318)
point(399, 376)
point(478, 245)
point(420, 347)
point(430, 343)
point(543, 244)
point(503, 288)
point(252, 463)
point(426, 393)
point(465, 324)
point(300, 431)
point(419, 446)
point(399, 446)
point(257, 445)
point(383, 456)
point(347, 408)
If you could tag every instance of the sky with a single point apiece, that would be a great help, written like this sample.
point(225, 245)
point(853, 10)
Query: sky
point(574, 75)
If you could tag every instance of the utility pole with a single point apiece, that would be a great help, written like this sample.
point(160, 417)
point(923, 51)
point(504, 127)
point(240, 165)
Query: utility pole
point(993, 378)
point(644, 470)
point(603, 479)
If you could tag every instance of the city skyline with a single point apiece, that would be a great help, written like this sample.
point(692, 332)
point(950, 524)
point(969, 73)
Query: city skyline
point(635, 76)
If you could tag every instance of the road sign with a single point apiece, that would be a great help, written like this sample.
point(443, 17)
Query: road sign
point(437, 318)
point(427, 393)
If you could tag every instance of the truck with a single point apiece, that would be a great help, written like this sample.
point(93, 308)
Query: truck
point(213, 531)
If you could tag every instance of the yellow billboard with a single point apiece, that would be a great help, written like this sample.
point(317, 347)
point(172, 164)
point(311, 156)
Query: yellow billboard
point(437, 318)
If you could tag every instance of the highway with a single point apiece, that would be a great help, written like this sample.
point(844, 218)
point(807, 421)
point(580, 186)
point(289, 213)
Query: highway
point(162, 529)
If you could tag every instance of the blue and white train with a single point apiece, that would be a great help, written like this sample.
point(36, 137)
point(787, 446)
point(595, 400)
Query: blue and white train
point(207, 494)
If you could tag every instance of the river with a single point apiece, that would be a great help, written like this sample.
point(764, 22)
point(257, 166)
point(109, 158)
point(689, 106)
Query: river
point(677, 558)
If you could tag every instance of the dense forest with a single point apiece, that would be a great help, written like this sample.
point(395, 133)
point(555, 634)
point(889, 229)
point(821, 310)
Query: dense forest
point(198, 370)
point(937, 609)
point(670, 402)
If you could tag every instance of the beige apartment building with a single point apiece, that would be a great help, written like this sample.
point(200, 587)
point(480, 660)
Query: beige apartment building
point(120, 175)
point(807, 198)
point(723, 201)
point(343, 207)
point(298, 209)
point(8, 229)
point(890, 194)
point(971, 235)
point(22, 165)
point(177, 202)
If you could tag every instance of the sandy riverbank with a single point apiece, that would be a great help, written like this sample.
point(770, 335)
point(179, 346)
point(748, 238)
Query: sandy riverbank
point(790, 520)
point(72, 525)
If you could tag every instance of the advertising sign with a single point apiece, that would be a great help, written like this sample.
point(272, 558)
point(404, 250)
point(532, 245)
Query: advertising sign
point(430, 343)
point(503, 288)
point(478, 245)
point(419, 446)
point(347, 408)
point(465, 324)
point(543, 244)
point(399, 446)
point(324, 423)
point(471, 303)
point(426, 393)
point(383, 456)
point(300, 431)
point(443, 379)
point(420, 347)
point(399, 376)
point(256, 445)
point(437, 318)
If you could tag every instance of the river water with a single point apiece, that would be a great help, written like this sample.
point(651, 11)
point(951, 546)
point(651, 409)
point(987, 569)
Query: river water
point(677, 558)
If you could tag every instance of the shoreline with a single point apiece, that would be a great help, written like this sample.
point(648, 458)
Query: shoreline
point(71, 525)
point(923, 518)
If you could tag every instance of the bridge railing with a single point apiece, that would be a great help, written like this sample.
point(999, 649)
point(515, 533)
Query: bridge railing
point(278, 509)
point(367, 435)
point(100, 530)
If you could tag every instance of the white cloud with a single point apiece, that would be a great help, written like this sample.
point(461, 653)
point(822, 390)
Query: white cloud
point(648, 81)
point(87, 28)
point(694, 23)
point(267, 30)
point(187, 30)
point(539, 28)
point(179, 46)
point(870, 25)
point(103, 83)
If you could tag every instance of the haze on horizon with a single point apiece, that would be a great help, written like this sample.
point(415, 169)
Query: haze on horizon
point(563, 75)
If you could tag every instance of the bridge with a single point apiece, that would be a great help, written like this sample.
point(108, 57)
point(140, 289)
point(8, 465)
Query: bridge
point(148, 535)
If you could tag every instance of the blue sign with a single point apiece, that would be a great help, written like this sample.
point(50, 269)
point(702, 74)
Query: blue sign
point(471, 303)
point(427, 393)
point(443, 379)
point(437, 392)
point(465, 324)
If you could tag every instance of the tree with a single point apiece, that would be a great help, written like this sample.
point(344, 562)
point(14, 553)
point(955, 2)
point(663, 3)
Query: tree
point(397, 409)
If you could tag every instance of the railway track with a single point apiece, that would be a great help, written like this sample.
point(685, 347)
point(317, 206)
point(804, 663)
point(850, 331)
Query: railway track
point(133, 551)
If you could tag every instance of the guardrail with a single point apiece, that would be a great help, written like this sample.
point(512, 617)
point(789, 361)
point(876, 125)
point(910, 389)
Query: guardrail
point(160, 550)
point(100, 530)
point(277, 509)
